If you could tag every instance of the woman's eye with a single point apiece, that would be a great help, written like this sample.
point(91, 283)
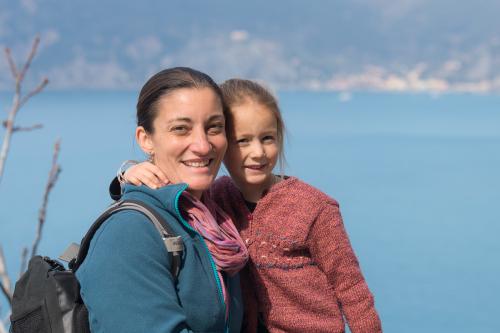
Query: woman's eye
point(216, 128)
point(179, 129)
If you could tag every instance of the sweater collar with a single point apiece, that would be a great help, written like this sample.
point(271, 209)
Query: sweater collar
point(288, 181)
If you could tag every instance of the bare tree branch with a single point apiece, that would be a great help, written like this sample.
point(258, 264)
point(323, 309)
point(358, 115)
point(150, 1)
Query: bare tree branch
point(24, 261)
point(4, 278)
point(17, 100)
point(6, 321)
point(2, 328)
point(53, 175)
point(23, 129)
point(31, 55)
point(12, 64)
point(27, 129)
point(9, 130)
point(35, 91)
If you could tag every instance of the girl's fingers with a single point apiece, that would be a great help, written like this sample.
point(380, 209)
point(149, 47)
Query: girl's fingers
point(149, 180)
point(131, 173)
point(138, 172)
point(146, 173)
point(156, 172)
point(133, 180)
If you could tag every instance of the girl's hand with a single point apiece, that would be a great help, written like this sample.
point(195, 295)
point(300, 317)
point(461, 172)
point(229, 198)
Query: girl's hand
point(146, 173)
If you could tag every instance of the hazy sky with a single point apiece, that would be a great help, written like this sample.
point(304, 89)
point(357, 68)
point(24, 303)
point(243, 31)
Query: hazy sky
point(404, 45)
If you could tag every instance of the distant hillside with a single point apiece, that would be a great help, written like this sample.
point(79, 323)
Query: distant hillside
point(411, 45)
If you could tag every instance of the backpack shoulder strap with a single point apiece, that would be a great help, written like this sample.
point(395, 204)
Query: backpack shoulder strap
point(173, 244)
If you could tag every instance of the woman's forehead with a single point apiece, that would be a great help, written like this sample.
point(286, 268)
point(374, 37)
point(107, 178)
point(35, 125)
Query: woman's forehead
point(189, 103)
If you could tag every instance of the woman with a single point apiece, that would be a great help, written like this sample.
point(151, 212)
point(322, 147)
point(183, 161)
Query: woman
point(303, 275)
point(125, 279)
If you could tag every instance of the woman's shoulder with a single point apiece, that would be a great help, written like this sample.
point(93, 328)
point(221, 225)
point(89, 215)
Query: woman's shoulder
point(125, 232)
point(126, 222)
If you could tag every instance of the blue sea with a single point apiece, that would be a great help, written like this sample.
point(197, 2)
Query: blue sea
point(417, 177)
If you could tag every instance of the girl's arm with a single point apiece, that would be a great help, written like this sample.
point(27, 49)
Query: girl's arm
point(331, 249)
point(145, 173)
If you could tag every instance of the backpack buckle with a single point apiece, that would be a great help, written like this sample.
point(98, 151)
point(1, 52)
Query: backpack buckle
point(174, 244)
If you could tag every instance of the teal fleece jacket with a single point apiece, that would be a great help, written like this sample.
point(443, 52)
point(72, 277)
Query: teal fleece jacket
point(126, 282)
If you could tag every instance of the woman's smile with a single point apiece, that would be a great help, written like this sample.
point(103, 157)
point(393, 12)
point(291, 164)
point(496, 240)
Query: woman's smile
point(198, 163)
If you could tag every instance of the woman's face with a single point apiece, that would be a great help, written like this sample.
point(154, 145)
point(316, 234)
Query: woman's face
point(189, 140)
point(253, 145)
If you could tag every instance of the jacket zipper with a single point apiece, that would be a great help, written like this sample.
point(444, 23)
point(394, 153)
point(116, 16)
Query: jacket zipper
point(212, 263)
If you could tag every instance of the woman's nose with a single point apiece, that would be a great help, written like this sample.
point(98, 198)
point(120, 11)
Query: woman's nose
point(200, 144)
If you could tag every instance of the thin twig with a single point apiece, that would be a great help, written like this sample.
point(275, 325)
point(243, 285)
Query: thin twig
point(12, 64)
point(31, 55)
point(35, 91)
point(4, 278)
point(53, 175)
point(24, 261)
point(27, 129)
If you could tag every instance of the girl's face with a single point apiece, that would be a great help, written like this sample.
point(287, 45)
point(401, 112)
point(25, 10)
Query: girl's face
point(253, 147)
point(189, 138)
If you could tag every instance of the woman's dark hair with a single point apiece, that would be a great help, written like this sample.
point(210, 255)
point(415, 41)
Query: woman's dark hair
point(166, 82)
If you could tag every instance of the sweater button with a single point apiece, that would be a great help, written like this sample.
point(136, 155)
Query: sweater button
point(249, 217)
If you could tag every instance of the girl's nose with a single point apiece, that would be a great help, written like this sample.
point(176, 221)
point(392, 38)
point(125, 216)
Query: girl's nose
point(258, 150)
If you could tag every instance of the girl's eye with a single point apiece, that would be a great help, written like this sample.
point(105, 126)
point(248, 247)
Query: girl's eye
point(216, 129)
point(268, 138)
point(242, 142)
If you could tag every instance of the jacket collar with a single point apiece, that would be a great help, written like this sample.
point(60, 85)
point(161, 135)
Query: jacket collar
point(166, 197)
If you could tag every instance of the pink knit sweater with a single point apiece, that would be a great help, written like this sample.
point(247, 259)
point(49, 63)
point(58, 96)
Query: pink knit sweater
point(303, 275)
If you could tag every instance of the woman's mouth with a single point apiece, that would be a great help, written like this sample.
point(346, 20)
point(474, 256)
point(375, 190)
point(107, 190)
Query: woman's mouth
point(198, 163)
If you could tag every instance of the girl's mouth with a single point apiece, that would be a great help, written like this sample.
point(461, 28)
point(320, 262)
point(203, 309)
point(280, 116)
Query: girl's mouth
point(256, 166)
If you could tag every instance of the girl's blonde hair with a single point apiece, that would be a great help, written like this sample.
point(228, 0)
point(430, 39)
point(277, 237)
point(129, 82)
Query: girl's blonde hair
point(236, 92)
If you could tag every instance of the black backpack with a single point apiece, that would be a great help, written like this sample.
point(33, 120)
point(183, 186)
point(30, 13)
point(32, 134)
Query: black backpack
point(47, 296)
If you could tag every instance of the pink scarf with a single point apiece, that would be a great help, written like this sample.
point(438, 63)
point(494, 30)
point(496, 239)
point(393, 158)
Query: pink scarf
point(217, 229)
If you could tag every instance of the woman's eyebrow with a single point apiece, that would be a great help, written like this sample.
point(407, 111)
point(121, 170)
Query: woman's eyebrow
point(216, 117)
point(181, 119)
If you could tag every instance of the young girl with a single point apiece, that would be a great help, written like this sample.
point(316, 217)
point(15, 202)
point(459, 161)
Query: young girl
point(303, 275)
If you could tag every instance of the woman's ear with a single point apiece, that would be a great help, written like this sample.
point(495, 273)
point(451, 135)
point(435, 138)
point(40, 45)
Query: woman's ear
point(144, 140)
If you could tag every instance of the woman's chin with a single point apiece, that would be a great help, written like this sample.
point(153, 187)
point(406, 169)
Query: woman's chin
point(199, 185)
